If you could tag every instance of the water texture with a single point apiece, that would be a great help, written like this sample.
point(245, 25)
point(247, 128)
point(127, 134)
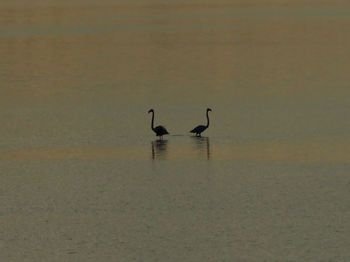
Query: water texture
point(83, 177)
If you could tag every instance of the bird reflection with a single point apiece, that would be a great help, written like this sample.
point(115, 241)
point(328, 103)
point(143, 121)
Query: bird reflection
point(159, 149)
point(202, 145)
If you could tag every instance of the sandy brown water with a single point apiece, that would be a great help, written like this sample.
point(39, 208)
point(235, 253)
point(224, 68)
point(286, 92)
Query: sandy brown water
point(83, 177)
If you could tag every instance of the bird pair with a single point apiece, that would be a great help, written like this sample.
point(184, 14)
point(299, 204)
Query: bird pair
point(161, 130)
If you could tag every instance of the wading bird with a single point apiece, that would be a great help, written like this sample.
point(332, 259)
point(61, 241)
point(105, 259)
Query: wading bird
point(199, 129)
point(159, 130)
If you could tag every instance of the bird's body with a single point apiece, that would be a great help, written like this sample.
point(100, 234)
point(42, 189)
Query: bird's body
point(201, 128)
point(198, 129)
point(159, 130)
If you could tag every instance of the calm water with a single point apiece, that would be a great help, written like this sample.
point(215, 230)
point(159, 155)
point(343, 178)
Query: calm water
point(83, 177)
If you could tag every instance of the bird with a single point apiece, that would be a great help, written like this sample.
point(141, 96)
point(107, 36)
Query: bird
point(159, 130)
point(199, 129)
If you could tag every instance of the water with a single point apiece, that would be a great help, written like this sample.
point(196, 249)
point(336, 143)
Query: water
point(83, 177)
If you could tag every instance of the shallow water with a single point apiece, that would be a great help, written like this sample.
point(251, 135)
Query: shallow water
point(83, 177)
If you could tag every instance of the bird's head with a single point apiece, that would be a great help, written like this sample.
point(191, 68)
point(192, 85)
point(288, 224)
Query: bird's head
point(208, 110)
point(151, 110)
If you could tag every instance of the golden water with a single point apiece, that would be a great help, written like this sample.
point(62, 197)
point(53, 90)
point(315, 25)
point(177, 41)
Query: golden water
point(83, 177)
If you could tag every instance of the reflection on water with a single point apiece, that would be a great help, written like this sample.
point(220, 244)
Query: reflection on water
point(202, 145)
point(199, 148)
point(76, 80)
point(159, 149)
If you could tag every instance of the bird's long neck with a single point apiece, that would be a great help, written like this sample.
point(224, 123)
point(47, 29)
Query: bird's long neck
point(152, 122)
point(207, 119)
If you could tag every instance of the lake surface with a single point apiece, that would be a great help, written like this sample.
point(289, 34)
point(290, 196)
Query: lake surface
point(83, 177)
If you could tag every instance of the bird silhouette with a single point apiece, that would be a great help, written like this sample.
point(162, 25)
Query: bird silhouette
point(199, 129)
point(159, 130)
